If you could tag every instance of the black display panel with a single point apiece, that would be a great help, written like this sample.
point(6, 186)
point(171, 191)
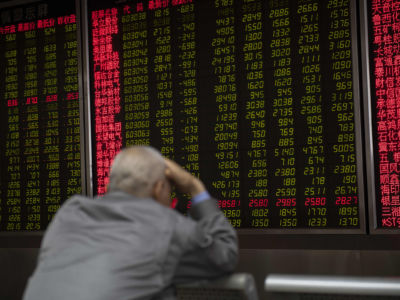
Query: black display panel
point(384, 61)
point(255, 97)
point(39, 113)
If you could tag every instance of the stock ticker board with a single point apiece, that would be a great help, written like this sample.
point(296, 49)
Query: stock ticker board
point(255, 97)
point(384, 35)
point(39, 113)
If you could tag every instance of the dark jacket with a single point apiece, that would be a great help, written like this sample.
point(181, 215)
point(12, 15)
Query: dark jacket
point(121, 247)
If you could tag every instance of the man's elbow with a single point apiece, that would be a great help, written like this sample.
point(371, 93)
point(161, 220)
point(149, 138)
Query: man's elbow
point(226, 260)
point(231, 261)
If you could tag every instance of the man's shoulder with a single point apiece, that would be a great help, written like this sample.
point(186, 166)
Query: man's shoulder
point(114, 214)
point(119, 207)
point(75, 199)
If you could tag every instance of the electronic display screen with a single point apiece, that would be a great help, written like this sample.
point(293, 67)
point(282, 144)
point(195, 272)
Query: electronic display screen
point(255, 97)
point(39, 113)
point(384, 37)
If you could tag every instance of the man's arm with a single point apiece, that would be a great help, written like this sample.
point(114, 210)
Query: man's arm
point(209, 240)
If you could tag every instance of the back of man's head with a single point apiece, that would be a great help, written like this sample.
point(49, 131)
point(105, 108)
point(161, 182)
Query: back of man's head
point(135, 170)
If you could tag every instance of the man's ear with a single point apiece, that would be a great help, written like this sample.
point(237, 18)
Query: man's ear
point(157, 190)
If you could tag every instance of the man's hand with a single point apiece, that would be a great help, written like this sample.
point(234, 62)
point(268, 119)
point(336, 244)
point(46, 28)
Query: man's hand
point(183, 180)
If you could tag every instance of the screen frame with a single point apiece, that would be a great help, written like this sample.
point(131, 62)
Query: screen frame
point(368, 124)
point(358, 138)
point(85, 159)
point(83, 45)
point(86, 126)
point(248, 235)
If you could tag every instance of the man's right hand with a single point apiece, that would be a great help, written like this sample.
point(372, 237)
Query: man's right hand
point(182, 179)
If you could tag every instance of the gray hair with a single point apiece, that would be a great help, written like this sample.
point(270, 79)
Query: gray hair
point(136, 169)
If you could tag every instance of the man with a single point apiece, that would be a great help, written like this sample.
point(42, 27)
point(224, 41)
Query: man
point(129, 244)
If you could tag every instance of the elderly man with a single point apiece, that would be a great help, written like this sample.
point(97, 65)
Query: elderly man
point(129, 244)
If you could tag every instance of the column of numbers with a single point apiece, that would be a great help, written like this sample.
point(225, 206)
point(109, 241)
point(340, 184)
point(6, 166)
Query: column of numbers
point(255, 106)
point(225, 134)
point(12, 194)
point(342, 108)
point(50, 123)
point(188, 124)
point(311, 110)
point(283, 116)
point(31, 132)
point(161, 34)
point(71, 140)
point(136, 79)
